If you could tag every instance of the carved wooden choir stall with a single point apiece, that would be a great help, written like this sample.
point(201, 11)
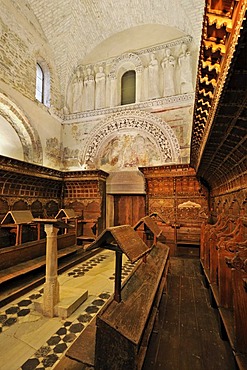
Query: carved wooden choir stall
point(26, 257)
point(224, 262)
point(18, 223)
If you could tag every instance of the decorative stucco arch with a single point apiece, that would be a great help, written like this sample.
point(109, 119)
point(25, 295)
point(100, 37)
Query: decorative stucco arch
point(157, 131)
point(30, 141)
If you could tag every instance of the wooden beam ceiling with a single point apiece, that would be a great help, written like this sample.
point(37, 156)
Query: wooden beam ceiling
point(219, 142)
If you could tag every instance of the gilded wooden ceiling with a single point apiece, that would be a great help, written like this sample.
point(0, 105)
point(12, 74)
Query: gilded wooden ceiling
point(218, 145)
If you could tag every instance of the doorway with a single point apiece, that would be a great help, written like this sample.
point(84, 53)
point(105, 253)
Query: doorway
point(128, 209)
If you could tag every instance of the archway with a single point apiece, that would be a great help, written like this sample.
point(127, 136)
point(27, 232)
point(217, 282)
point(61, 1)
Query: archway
point(30, 141)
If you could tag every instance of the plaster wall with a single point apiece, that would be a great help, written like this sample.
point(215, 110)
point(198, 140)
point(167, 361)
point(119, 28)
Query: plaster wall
point(40, 120)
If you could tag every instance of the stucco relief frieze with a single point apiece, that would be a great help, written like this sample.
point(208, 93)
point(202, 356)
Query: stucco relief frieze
point(152, 66)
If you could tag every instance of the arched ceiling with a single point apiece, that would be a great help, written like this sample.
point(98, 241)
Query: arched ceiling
point(84, 31)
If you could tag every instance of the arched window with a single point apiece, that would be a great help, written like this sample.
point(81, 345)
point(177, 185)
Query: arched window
point(42, 93)
point(128, 88)
point(39, 84)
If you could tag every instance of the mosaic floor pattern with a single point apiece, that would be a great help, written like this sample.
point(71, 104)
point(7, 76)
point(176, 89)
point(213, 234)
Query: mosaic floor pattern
point(20, 312)
point(57, 344)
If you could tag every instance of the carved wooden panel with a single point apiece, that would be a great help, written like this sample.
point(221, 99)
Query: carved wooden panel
point(128, 209)
point(175, 193)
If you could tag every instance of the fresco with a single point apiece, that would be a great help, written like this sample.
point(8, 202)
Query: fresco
point(53, 152)
point(128, 151)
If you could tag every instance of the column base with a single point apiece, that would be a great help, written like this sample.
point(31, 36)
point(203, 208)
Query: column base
point(70, 300)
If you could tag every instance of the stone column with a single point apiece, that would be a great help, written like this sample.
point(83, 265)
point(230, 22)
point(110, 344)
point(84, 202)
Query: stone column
point(51, 286)
point(113, 96)
point(138, 84)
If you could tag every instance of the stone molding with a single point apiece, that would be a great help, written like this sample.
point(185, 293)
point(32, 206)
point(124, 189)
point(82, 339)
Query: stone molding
point(162, 102)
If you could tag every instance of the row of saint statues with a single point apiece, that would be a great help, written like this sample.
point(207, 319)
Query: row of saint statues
point(87, 91)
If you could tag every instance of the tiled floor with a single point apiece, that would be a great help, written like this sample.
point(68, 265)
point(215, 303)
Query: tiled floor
point(30, 341)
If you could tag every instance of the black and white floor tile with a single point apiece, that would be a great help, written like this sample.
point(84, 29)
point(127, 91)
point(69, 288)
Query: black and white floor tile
point(47, 355)
point(86, 266)
point(58, 343)
point(126, 269)
point(13, 314)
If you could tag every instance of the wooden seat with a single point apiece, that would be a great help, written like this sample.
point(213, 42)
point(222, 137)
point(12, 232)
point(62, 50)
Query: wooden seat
point(31, 265)
point(125, 326)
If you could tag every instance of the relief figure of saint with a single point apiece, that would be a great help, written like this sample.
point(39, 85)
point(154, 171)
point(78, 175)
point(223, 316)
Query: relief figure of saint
point(77, 92)
point(100, 89)
point(153, 72)
point(89, 89)
point(184, 61)
point(168, 65)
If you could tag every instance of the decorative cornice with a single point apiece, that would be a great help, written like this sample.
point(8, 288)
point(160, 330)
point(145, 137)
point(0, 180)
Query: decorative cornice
point(162, 102)
point(17, 166)
point(170, 44)
point(85, 175)
point(168, 170)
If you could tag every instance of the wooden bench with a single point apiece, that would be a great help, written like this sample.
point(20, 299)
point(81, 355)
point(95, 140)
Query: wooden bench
point(33, 264)
point(21, 259)
point(119, 336)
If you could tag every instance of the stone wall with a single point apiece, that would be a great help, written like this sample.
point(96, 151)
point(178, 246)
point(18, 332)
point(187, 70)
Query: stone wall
point(23, 45)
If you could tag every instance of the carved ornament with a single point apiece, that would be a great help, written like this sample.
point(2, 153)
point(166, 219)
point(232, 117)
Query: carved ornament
point(137, 120)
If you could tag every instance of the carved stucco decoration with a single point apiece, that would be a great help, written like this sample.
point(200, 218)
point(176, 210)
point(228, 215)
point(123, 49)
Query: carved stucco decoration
point(167, 102)
point(129, 125)
point(32, 149)
point(124, 59)
point(108, 81)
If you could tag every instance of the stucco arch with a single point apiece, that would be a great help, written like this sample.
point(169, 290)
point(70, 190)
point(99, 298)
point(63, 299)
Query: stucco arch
point(132, 122)
point(30, 141)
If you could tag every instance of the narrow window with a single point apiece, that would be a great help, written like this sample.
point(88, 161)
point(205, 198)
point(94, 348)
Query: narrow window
point(39, 84)
point(128, 88)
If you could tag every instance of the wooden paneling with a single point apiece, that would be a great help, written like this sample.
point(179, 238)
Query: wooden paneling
point(128, 209)
point(175, 193)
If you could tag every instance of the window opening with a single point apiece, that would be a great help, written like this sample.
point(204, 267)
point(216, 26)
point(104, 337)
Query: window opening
point(128, 88)
point(39, 84)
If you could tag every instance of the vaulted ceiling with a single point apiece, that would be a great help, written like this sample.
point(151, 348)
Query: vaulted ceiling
point(86, 31)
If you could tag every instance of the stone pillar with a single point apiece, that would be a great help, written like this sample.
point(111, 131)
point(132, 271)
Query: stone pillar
point(138, 84)
point(51, 286)
point(113, 96)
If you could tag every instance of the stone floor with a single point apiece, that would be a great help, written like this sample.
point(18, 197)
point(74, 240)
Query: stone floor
point(30, 341)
